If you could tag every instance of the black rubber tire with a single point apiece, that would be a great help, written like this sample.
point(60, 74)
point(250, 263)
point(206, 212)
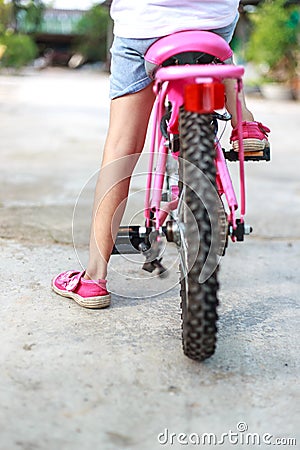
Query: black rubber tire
point(199, 246)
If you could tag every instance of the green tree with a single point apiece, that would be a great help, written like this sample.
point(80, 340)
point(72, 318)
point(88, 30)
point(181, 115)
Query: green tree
point(34, 15)
point(27, 14)
point(92, 29)
point(274, 38)
point(5, 16)
point(19, 50)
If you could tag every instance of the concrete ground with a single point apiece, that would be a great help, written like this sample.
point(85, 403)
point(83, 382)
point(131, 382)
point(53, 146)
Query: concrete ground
point(73, 378)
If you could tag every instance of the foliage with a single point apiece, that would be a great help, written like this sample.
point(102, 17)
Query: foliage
point(27, 14)
point(5, 16)
point(274, 39)
point(19, 50)
point(92, 29)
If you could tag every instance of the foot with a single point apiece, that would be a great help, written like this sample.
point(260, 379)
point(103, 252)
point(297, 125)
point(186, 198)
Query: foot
point(255, 137)
point(87, 293)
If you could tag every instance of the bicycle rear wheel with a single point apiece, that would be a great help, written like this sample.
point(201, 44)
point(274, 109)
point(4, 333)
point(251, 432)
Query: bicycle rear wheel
point(200, 235)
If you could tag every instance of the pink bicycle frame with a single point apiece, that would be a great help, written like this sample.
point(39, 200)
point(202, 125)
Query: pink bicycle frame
point(170, 83)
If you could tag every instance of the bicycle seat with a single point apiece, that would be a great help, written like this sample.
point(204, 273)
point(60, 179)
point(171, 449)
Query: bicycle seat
point(182, 42)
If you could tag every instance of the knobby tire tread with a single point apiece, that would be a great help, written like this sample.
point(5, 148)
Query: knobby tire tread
point(199, 301)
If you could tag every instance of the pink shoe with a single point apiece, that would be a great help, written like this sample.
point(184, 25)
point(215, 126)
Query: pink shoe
point(87, 293)
point(255, 137)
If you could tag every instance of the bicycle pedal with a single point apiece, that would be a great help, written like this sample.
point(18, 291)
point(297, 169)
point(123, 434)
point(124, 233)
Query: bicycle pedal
point(262, 155)
point(240, 231)
point(150, 266)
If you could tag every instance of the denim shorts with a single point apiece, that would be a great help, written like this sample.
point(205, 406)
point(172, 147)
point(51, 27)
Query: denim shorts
point(128, 73)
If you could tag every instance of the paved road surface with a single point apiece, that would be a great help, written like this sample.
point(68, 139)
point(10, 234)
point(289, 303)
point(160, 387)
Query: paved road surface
point(115, 379)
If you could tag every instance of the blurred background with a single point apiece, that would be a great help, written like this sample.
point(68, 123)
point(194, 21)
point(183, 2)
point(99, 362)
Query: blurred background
point(113, 379)
point(73, 33)
point(60, 33)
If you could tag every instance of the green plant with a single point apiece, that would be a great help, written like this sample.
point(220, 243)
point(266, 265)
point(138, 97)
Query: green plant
point(27, 14)
point(19, 50)
point(274, 39)
point(5, 15)
point(30, 16)
point(92, 29)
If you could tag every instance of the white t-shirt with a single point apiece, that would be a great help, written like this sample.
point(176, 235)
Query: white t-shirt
point(155, 18)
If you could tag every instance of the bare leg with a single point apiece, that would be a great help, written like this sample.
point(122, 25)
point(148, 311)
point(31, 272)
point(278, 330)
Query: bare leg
point(231, 103)
point(129, 116)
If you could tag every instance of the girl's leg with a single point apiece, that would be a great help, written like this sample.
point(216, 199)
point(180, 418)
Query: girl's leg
point(231, 103)
point(129, 116)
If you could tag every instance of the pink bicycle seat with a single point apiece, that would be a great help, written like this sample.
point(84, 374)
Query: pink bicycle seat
point(185, 41)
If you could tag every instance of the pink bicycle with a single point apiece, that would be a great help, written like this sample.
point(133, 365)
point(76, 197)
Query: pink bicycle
point(191, 201)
